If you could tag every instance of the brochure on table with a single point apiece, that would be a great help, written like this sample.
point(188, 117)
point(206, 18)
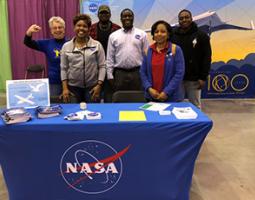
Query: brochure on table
point(154, 106)
point(28, 93)
point(184, 113)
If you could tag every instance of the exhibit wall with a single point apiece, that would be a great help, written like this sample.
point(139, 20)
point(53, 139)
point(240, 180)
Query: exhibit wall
point(228, 22)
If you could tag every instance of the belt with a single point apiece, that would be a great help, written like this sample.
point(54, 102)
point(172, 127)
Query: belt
point(132, 69)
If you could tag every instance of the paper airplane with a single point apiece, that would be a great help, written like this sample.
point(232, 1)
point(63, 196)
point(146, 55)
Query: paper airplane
point(25, 99)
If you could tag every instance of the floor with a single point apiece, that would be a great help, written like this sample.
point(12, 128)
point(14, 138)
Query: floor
point(225, 166)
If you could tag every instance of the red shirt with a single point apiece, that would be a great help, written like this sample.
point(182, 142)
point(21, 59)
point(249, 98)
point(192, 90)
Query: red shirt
point(157, 67)
point(94, 27)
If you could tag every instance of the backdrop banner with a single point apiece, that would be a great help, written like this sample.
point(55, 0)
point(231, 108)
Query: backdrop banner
point(229, 24)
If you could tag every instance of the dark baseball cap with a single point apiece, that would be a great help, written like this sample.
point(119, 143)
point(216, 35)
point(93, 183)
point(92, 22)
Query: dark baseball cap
point(104, 8)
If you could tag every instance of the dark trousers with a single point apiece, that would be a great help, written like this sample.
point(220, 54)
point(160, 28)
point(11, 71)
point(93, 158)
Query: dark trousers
point(107, 92)
point(127, 79)
point(81, 95)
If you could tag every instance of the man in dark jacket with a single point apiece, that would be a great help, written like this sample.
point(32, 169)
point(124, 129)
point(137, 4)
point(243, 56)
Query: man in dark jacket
point(101, 31)
point(197, 52)
point(104, 27)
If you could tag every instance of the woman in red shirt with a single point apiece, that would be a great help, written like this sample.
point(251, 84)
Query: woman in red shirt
point(163, 66)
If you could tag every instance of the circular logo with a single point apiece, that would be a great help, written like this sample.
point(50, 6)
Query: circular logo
point(239, 82)
point(220, 83)
point(93, 7)
point(91, 166)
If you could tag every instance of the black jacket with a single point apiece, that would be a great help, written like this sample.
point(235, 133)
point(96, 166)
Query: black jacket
point(197, 52)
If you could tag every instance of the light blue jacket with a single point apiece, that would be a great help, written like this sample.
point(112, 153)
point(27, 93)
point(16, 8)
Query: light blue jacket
point(83, 68)
point(173, 74)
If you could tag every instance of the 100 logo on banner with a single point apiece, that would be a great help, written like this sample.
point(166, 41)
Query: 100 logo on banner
point(222, 82)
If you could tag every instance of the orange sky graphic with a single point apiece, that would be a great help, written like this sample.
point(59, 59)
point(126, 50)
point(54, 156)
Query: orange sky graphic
point(232, 44)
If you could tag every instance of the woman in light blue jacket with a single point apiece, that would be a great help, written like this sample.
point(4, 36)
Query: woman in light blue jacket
point(82, 64)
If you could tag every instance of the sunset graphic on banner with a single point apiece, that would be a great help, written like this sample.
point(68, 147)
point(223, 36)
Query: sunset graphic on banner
point(226, 44)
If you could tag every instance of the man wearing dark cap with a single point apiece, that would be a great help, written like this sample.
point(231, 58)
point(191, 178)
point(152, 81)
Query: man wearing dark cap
point(100, 31)
point(104, 27)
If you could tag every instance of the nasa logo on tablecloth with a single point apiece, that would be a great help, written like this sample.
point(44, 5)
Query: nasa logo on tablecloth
point(91, 166)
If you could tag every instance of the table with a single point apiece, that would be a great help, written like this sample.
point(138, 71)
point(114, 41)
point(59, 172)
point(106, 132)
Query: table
point(56, 159)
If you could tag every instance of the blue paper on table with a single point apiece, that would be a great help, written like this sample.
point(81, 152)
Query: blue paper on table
point(15, 115)
point(48, 111)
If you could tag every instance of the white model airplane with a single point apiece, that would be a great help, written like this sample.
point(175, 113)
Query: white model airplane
point(37, 87)
point(25, 99)
point(210, 22)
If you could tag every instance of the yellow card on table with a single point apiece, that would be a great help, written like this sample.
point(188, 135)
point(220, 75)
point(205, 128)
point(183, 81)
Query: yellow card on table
point(132, 116)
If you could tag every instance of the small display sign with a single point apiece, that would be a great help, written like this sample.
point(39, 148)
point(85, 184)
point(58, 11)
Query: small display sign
point(28, 93)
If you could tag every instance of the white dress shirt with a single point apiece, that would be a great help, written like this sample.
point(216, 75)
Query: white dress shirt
point(125, 49)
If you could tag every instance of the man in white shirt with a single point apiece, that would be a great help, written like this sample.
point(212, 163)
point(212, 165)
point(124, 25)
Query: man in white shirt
point(125, 51)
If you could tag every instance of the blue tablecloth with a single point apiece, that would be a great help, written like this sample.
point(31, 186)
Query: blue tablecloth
point(56, 159)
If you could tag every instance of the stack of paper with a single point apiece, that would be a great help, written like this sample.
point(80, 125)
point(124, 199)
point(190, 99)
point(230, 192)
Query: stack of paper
point(15, 115)
point(154, 106)
point(132, 116)
point(48, 111)
point(184, 113)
